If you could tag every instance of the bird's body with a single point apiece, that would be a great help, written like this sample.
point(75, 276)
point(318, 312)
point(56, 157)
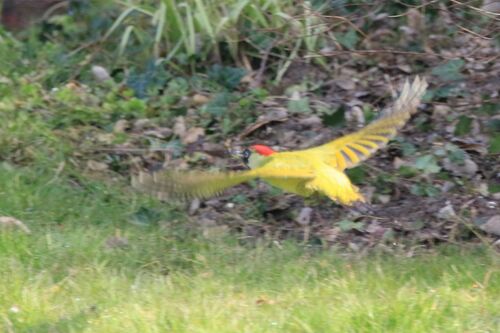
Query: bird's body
point(315, 175)
point(303, 172)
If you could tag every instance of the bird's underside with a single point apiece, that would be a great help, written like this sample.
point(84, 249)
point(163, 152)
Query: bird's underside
point(305, 172)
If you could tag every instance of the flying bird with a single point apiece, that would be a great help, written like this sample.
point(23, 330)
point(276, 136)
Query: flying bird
point(304, 172)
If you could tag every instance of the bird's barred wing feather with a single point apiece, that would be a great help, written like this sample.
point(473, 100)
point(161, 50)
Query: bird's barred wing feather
point(348, 151)
point(185, 185)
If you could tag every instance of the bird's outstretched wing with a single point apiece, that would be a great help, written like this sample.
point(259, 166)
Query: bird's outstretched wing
point(349, 150)
point(185, 185)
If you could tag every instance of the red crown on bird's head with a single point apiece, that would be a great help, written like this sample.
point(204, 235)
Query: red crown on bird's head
point(263, 150)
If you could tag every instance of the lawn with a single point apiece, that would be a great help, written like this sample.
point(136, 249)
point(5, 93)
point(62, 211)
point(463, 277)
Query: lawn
point(85, 268)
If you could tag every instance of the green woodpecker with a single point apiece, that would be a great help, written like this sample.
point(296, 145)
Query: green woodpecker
point(304, 172)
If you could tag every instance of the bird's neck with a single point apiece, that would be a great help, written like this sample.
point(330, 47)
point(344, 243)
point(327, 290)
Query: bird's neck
point(256, 160)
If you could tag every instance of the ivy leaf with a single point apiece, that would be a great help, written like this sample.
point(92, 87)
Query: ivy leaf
point(346, 225)
point(407, 171)
point(357, 175)
point(299, 105)
point(494, 125)
point(489, 108)
point(427, 164)
point(348, 39)
point(422, 190)
point(228, 77)
point(455, 154)
point(219, 104)
point(464, 126)
point(449, 71)
point(408, 148)
point(335, 119)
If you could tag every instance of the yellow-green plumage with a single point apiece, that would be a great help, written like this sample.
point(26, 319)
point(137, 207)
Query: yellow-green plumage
point(304, 172)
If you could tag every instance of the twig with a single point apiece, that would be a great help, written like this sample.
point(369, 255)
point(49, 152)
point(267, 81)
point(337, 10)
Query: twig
point(487, 12)
point(369, 52)
point(133, 150)
point(263, 65)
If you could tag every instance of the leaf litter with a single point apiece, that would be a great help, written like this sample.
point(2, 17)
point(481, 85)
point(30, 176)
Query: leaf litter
point(421, 189)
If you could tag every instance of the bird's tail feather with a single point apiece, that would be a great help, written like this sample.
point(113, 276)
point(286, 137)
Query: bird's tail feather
point(167, 185)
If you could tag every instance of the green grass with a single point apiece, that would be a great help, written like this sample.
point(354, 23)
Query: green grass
point(62, 277)
point(196, 27)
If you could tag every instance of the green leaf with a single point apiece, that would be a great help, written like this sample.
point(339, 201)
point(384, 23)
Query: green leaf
point(134, 106)
point(145, 216)
point(408, 148)
point(489, 108)
point(494, 125)
point(428, 164)
point(299, 105)
point(464, 126)
point(455, 154)
point(445, 91)
point(422, 190)
point(369, 113)
point(494, 188)
point(414, 225)
point(494, 147)
point(356, 175)
point(178, 86)
point(346, 225)
point(219, 104)
point(228, 77)
point(335, 119)
point(431, 190)
point(407, 171)
point(449, 71)
point(348, 39)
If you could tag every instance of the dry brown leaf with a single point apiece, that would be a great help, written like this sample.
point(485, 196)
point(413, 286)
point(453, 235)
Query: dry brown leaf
point(143, 123)
point(492, 226)
point(180, 126)
point(405, 68)
point(199, 99)
point(96, 166)
point(346, 84)
point(471, 145)
point(192, 135)
point(398, 163)
point(383, 198)
point(114, 242)
point(276, 114)
point(311, 121)
point(330, 234)
point(9, 222)
point(469, 168)
point(447, 212)
point(107, 138)
point(415, 19)
point(215, 232)
point(121, 126)
point(265, 301)
point(357, 115)
point(441, 110)
point(160, 133)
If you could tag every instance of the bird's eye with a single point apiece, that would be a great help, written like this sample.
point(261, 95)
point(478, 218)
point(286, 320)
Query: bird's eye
point(245, 155)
